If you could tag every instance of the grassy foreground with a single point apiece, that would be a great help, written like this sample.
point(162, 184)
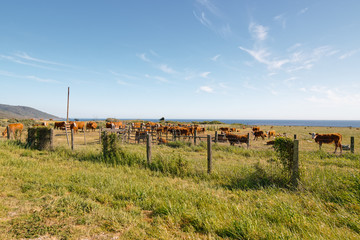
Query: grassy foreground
point(78, 195)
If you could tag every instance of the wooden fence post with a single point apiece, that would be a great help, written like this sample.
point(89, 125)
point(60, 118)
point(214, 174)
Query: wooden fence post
point(84, 136)
point(51, 139)
point(216, 137)
point(209, 154)
point(72, 139)
point(294, 136)
point(248, 141)
point(100, 130)
point(352, 144)
point(67, 136)
point(8, 133)
point(148, 149)
point(195, 133)
point(295, 166)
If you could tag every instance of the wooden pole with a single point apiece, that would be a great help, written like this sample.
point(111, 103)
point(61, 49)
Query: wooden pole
point(352, 144)
point(148, 148)
point(248, 141)
point(195, 133)
point(8, 133)
point(294, 136)
point(209, 154)
point(295, 166)
point(216, 137)
point(129, 132)
point(84, 136)
point(51, 139)
point(67, 112)
point(100, 130)
point(72, 139)
point(67, 136)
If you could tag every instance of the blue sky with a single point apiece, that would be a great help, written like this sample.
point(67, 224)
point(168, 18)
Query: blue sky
point(207, 59)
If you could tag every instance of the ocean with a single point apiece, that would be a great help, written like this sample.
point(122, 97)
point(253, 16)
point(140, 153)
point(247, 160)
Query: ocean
point(310, 123)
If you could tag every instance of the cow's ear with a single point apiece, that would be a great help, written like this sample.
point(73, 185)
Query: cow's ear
point(310, 133)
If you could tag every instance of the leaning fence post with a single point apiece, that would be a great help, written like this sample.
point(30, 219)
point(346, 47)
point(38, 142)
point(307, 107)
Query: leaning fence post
point(295, 165)
point(8, 132)
point(216, 137)
point(72, 139)
point(148, 148)
point(209, 154)
point(248, 140)
point(352, 144)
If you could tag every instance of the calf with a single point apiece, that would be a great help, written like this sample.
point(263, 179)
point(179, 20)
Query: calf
point(258, 134)
point(328, 138)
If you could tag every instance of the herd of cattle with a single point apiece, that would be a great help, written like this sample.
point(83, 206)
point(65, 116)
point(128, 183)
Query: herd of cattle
point(141, 129)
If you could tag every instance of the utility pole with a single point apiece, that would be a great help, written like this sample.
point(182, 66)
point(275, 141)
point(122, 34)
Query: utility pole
point(67, 114)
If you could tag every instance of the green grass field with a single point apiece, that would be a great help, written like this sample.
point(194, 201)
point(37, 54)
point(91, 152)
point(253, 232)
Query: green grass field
point(64, 194)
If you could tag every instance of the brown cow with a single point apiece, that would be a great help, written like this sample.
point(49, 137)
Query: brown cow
point(74, 127)
point(259, 134)
point(13, 127)
point(115, 125)
point(162, 140)
point(40, 124)
point(271, 133)
point(256, 129)
point(80, 125)
point(328, 138)
point(91, 125)
point(59, 125)
point(140, 135)
point(224, 129)
point(234, 138)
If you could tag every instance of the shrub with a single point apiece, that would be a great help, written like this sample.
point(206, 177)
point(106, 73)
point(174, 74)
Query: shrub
point(284, 148)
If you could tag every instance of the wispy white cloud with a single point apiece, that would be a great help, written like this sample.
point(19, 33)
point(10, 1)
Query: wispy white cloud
point(215, 58)
point(349, 54)
point(264, 56)
point(165, 68)
point(209, 6)
point(21, 61)
point(259, 32)
point(143, 57)
point(302, 11)
point(158, 78)
point(332, 97)
point(247, 85)
point(30, 77)
point(203, 20)
point(204, 74)
point(25, 56)
point(281, 19)
point(293, 47)
point(207, 89)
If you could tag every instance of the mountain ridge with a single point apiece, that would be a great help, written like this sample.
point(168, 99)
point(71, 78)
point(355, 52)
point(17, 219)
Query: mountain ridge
point(21, 112)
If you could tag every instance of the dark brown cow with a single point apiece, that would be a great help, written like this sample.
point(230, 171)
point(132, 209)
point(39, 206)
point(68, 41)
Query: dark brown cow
point(59, 125)
point(258, 134)
point(328, 138)
point(140, 135)
point(234, 138)
point(91, 125)
point(162, 140)
point(256, 129)
point(13, 127)
point(224, 129)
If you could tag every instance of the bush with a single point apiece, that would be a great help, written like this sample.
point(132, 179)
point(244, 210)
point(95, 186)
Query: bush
point(284, 148)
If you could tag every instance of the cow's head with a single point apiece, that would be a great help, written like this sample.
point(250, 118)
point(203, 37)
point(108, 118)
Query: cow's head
point(313, 135)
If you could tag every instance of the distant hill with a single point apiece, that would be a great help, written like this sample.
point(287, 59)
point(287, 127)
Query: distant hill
point(8, 111)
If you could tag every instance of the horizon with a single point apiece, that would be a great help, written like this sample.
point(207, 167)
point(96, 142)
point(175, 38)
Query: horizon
point(194, 59)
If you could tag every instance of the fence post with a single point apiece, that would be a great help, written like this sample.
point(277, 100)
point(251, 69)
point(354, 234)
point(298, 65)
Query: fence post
point(84, 136)
point(195, 133)
point(51, 139)
point(216, 137)
point(294, 136)
point(8, 133)
point(352, 144)
point(100, 130)
point(148, 148)
point(72, 139)
point(67, 136)
point(209, 154)
point(129, 132)
point(295, 165)
point(248, 141)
